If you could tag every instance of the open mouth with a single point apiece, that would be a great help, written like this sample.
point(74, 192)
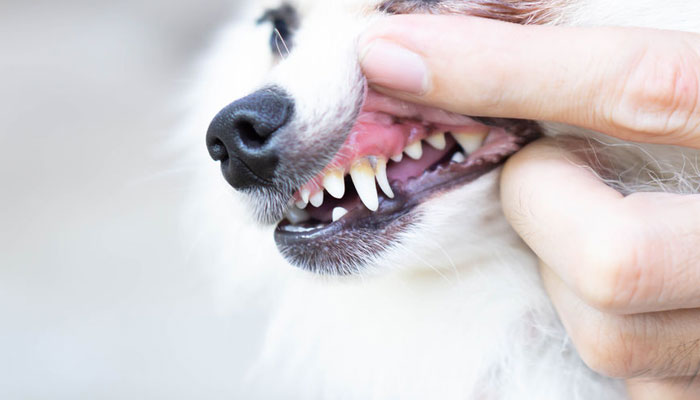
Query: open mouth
point(397, 156)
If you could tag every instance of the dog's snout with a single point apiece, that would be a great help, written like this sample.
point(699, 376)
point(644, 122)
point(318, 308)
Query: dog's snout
point(242, 134)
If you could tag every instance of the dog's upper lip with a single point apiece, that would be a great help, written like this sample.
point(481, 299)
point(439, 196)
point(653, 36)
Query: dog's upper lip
point(377, 102)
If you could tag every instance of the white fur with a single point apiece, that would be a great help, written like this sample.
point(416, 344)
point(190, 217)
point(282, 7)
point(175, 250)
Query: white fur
point(456, 310)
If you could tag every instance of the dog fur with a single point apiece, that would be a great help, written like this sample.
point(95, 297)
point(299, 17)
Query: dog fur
point(455, 309)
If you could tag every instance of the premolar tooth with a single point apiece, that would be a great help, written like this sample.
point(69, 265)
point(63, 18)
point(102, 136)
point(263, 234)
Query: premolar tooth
point(414, 150)
point(363, 178)
point(338, 213)
point(317, 199)
point(295, 215)
point(382, 180)
point(334, 183)
point(397, 158)
point(458, 157)
point(437, 140)
point(470, 142)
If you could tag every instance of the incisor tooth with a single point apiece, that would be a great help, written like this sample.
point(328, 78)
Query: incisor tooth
point(338, 213)
point(300, 204)
point(437, 140)
point(470, 142)
point(414, 150)
point(334, 183)
point(317, 199)
point(382, 180)
point(305, 195)
point(397, 158)
point(458, 157)
point(295, 215)
point(362, 177)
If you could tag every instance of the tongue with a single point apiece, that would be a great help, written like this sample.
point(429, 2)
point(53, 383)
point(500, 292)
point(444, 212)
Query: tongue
point(409, 168)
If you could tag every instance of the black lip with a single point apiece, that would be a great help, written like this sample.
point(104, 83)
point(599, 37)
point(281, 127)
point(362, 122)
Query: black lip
point(344, 246)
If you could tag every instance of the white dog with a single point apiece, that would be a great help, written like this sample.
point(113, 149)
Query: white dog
point(411, 288)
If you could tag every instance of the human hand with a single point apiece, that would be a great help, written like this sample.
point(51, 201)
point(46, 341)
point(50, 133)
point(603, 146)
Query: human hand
point(623, 272)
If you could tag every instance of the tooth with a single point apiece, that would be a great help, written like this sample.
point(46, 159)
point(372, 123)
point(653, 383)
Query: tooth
point(338, 213)
point(470, 142)
point(397, 158)
point(317, 199)
point(305, 195)
point(363, 178)
point(295, 215)
point(414, 150)
point(437, 140)
point(382, 180)
point(300, 204)
point(334, 183)
point(458, 157)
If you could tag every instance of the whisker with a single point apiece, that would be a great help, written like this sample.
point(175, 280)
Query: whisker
point(279, 39)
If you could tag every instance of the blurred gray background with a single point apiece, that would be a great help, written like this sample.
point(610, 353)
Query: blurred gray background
point(88, 309)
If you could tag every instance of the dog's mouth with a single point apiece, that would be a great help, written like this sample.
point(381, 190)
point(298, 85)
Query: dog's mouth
point(397, 156)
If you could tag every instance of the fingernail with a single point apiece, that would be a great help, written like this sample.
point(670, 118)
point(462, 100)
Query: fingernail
point(391, 66)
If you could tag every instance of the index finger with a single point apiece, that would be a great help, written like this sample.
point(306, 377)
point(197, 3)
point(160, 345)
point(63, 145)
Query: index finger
point(636, 84)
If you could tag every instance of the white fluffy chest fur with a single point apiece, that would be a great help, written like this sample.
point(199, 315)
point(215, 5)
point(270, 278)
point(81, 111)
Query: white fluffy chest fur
point(489, 333)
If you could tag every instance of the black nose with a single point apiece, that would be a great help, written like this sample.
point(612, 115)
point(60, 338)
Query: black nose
point(241, 137)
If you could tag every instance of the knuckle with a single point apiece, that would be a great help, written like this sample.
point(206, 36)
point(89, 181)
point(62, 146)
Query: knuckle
point(616, 349)
point(610, 276)
point(658, 92)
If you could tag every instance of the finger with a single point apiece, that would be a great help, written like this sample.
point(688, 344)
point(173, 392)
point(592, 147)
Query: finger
point(638, 84)
point(629, 254)
point(652, 345)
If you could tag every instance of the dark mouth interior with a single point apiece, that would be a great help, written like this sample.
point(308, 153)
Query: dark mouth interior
point(322, 215)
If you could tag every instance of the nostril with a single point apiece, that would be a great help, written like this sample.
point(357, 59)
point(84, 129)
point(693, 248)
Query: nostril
point(218, 151)
point(250, 137)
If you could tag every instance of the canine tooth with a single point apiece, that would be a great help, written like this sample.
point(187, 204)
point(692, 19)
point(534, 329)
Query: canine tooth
point(338, 213)
point(382, 180)
point(363, 178)
point(397, 158)
point(458, 157)
point(317, 199)
point(470, 142)
point(437, 140)
point(334, 183)
point(414, 150)
point(295, 215)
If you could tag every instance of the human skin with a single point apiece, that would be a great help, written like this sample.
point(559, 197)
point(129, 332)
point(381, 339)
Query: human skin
point(622, 271)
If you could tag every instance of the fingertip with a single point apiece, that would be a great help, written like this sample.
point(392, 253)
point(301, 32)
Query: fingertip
point(394, 67)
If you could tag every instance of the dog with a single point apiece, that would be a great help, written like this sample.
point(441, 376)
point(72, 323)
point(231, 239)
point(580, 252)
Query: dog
point(371, 228)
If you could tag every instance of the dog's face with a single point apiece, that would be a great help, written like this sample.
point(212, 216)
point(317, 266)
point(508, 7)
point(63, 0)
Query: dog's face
point(356, 180)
